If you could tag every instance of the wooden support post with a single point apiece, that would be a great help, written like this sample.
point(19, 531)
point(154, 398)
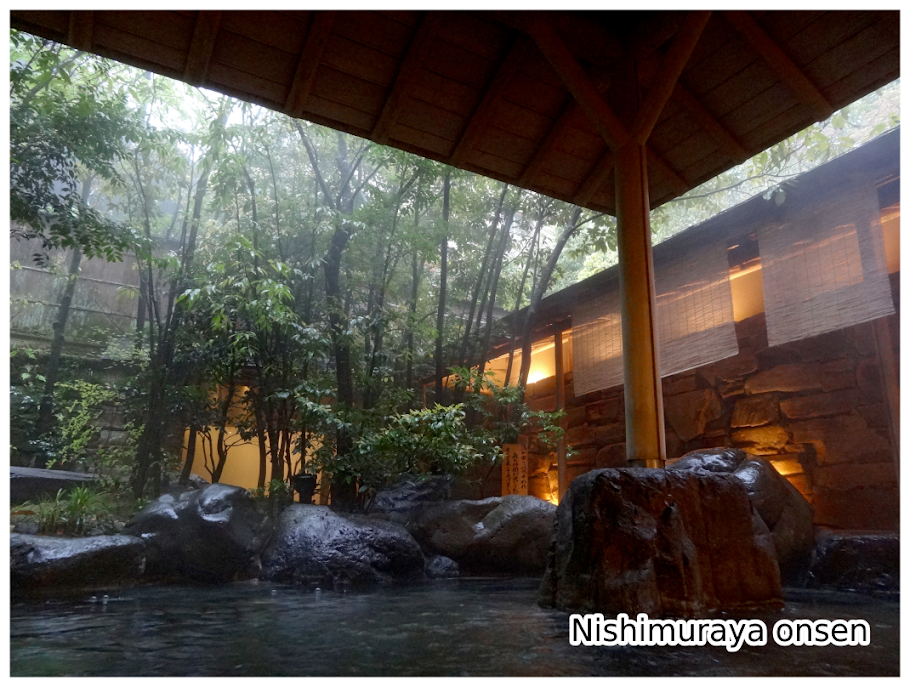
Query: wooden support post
point(560, 405)
point(888, 366)
point(645, 444)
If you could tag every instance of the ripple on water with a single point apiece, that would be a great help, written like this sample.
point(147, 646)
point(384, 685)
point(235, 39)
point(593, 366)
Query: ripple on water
point(459, 627)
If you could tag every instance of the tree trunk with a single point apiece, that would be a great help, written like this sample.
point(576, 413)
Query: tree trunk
point(46, 409)
point(443, 276)
point(539, 290)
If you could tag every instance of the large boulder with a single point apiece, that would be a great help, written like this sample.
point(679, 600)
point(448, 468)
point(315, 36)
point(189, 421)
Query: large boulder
point(501, 534)
point(30, 484)
point(782, 508)
point(316, 547)
point(209, 535)
point(401, 501)
point(640, 540)
point(440, 567)
point(38, 563)
point(857, 561)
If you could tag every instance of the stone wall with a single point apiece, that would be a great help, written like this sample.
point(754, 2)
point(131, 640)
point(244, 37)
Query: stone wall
point(816, 408)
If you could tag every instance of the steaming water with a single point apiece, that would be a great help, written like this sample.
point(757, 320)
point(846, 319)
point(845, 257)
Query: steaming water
point(464, 627)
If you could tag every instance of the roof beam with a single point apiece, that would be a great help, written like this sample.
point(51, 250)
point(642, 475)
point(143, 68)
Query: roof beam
point(537, 160)
point(573, 76)
point(201, 47)
point(407, 75)
point(728, 143)
point(305, 74)
point(781, 63)
point(595, 179)
point(671, 68)
point(80, 30)
point(484, 111)
point(581, 87)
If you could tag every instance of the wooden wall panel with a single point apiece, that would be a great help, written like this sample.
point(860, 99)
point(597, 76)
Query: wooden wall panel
point(445, 93)
point(428, 118)
point(458, 64)
point(423, 142)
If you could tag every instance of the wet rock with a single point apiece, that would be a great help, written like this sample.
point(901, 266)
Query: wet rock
point(30, 484)
point(710, 460)
point(40, 563)
point(638, 540)
point(315, 547)
point(440, 567)
point(400, 502)
point(856, 561)
point(785, 512)
point(507, 534)
point(209, 535)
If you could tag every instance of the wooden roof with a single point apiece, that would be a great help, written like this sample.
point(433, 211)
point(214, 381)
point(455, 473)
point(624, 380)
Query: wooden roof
point(525, 97)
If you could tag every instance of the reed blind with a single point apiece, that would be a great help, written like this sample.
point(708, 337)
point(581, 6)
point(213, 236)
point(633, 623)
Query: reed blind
point(823, 266)
point(597, 341)
point(694, 318)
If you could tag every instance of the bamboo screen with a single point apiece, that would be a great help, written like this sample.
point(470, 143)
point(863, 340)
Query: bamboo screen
point(824, 266)
point(694, 319)
point(597, 342)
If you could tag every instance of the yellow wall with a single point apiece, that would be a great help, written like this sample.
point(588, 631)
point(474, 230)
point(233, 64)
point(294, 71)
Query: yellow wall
point(242, 466)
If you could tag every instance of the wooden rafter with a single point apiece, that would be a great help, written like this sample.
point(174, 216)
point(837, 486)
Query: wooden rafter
point(595, 179)
point(576, 80)
point(484, 111)
point(305, 74)
point(406, 77)
point(201, 46)
point(728, 143)
point(537, 160)
point(80, 29)
point(569, 111)
point(781, 63)
point(585, 93)
point(671, 68)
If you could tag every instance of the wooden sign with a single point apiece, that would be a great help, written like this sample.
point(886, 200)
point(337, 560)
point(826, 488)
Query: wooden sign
point(515, 468)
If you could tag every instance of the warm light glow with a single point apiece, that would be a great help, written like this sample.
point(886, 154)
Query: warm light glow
point(536, 375)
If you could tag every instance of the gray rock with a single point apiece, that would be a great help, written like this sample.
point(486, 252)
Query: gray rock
point(316, 547)
point(30, 484)
point(38, 563)
point(785, 512)
point(638, 540)
point(440, 567)
point(209, 535)
point(508, 534)
point(402, 500)
point(857, 561)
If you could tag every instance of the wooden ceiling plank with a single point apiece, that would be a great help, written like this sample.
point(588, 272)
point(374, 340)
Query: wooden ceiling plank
point(709, 123)
point(780, 62)
point(578, 83)
point(305, 73)
point(407, 76)
point(677, 183)
point(671, 68)
point(595, 179)
point(536, 163)
point(80, 30)
point(201, 46)
point(484, 111)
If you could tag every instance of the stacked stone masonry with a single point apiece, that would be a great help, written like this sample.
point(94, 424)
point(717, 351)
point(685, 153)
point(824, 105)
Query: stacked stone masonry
point(817, 409)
